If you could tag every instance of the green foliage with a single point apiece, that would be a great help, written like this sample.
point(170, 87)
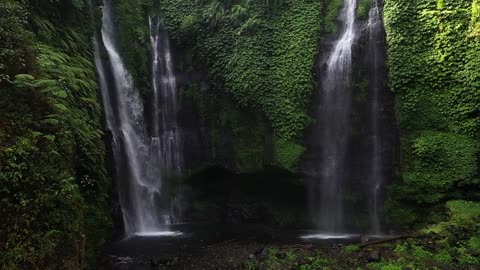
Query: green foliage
point(351, 248)
point(450, 244)
point(433, 66)
point(250, 47)
point(261, 54)
point(278, 259)
point(333, 10)
point(474, 244)
point(363, 9)
point(441, 161)
point(457, 246)
point(440, 4)
point(255, 40)
point(248, 137)
point(133, 38)
point(443, 257)
point(244, 130)
point(14, 39)
point(53, 181)
point(475, 22)
point(286, 153)
point(463, 211)
point(79, 4)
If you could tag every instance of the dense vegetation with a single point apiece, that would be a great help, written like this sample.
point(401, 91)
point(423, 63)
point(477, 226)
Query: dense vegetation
point(261, 54)
point(258, 58)
point(53, 181)
point(433, 59)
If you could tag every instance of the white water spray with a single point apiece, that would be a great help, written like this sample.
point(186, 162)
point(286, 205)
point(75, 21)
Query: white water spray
point(135, 154)
point(334, 115)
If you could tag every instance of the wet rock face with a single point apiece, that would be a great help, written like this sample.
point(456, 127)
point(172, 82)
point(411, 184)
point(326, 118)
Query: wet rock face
point(273, 198)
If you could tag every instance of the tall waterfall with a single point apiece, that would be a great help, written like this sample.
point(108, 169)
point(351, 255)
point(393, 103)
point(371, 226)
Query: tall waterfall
point(138, 174)
point(376, 63)
point(165, 132)
point(350, 141)
point(333, 115)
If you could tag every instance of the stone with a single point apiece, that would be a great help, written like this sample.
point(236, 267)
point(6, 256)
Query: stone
point(364, 239)
point(374, 256)
point(263, 254)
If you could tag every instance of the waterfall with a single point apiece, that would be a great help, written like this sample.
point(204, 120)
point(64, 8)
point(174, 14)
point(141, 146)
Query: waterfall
point(375, 61)
point(139, 176)
point(165, 132)
point(350, 140)
point(334, 114)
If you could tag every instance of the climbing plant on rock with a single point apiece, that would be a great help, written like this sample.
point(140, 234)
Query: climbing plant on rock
point(433, 64)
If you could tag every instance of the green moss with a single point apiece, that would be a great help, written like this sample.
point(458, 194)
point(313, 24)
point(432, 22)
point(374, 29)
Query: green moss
point(249, 55)
point(53, 181)
point(286, 153)
point(351, 248)
point(363, 9)
point(475, 22)
point(443, 257)
point(248, 137)
point(474, 244)
point(261, 56)
point(431, 70)
point(441, 161)
point(397, 214)
point(440, 4)
point(331, 15)
point(463, 211)
point(133, 38)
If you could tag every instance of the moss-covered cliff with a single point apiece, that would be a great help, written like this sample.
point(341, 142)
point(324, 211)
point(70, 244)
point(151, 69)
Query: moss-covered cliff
point(53, 181)
point(261, 56)
point(434, 65)
point(246, 71)
point(256, 58)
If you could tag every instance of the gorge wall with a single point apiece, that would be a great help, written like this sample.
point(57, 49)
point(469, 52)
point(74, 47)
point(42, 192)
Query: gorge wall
point(433, 70)
point(246, 77)
point(54, 185)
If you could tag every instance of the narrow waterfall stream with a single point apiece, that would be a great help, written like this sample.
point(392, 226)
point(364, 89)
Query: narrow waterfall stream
point(346, 156)
point(139, 161)
point(165, 133)
point(334, 117)
point(376, 61)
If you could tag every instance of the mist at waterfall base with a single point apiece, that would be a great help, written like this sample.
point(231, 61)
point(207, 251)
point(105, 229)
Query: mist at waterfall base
point(348, 145)
point(142, 161)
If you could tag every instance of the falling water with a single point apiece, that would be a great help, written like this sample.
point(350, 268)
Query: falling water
point(139, 187)
point(375, 59)
point(165, 131)
point(334, 116)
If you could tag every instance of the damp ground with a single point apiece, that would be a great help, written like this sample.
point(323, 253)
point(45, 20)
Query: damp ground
point(237, 247)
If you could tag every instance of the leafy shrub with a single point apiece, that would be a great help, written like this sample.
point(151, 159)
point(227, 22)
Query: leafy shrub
point(287, 153)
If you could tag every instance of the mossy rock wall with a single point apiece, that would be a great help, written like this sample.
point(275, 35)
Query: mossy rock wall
point(258, 62)
point(433, 51)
